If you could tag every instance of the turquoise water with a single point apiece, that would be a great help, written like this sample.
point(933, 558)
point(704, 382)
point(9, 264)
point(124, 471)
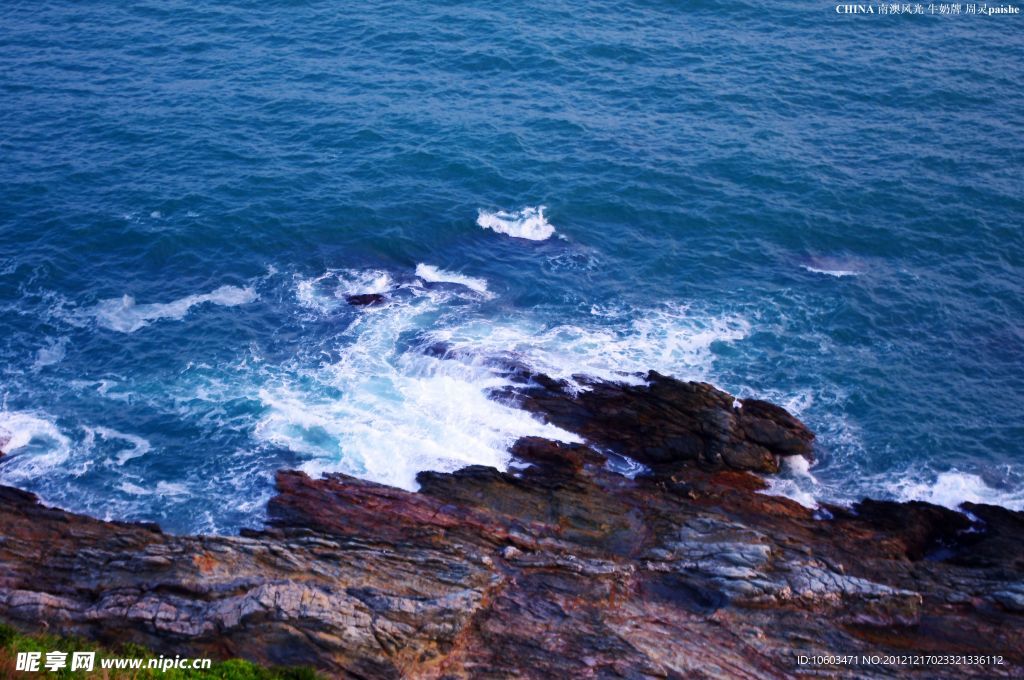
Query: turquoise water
point(817, 209)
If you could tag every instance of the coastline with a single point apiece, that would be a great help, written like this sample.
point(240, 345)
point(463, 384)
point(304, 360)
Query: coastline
point(561, 567)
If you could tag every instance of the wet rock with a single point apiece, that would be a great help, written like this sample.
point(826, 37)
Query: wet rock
point(995, 541)
point(557, 455)
point(366, 299)
point(563, 568)
point(923, 528)
point(668, 421)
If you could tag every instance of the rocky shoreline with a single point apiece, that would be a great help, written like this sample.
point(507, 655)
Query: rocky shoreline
point(560, 567)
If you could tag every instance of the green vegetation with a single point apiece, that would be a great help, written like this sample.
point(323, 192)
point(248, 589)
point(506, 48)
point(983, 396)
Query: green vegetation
point(13, 641)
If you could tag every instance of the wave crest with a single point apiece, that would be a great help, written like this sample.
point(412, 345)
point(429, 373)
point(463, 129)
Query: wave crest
point(528, 223)
point(953, 487)
point(432, 274)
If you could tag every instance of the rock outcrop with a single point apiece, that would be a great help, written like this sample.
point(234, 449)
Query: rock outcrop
point(669, 421)
point(563, 568)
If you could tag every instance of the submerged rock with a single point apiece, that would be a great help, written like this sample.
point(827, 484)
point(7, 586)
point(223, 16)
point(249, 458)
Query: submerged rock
point(562, 569)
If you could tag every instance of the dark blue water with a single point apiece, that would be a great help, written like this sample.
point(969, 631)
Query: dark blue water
point(817, 209)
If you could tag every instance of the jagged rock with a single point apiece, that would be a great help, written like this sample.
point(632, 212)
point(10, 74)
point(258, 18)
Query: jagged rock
point(667, 421)
point(563, 568)
point(1002, 546)
point(923, 528)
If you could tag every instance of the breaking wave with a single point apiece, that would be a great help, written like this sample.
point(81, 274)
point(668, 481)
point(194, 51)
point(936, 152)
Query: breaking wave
point(528, 223)
point(432, 274)
point(33, 445)
point(951, 488)
point(838, 273)
point(383, 409)
point(383, 402)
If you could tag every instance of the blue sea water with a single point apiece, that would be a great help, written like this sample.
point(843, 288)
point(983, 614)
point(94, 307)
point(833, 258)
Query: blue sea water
point(817, 209)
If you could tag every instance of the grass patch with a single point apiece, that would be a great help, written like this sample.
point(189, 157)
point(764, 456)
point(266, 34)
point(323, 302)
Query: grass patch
point(13, 641)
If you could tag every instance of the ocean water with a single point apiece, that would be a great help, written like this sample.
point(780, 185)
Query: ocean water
point(821, 210)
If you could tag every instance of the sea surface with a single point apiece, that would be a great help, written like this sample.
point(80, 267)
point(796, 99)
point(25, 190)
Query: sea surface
point(818, 209)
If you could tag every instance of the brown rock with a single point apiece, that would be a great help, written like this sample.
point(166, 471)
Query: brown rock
point(667, 420)
point(561, 569)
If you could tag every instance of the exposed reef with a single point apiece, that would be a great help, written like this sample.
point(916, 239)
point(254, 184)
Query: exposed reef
point(669, 421)
point(564, 568)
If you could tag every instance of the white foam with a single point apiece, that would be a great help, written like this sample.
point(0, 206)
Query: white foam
point(171, 489)
point(382, 413)
point(952, 488)
point(838, 273)
point(362, 282)
point(139, 446)
point(52, 354)
point(528, 223)
point(795, 482)
point(35, 445)
point(838, 267)
point(797, 466)
point(791, 489)
point(382, 409)
point(306, 292)
point(134, 489)
point(126, 316)
point(432, 274)
point(622, 346)
point(328, 291)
